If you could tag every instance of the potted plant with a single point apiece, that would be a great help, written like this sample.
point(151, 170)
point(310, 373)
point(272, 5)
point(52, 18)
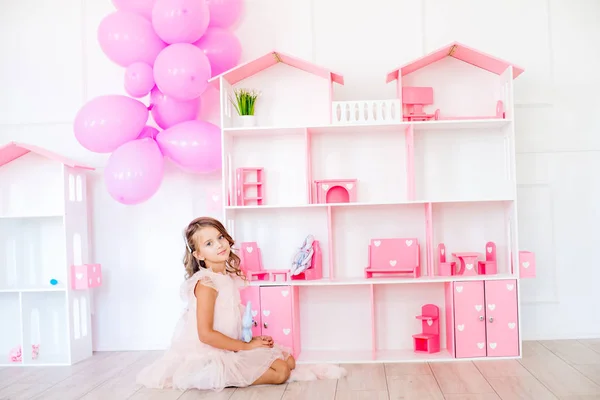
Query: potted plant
point(244, 104)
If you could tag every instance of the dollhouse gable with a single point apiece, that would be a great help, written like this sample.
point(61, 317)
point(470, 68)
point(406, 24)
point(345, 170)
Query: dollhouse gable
point(293, 91)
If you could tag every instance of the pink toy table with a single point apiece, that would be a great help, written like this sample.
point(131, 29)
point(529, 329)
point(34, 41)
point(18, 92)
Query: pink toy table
point(468, 261)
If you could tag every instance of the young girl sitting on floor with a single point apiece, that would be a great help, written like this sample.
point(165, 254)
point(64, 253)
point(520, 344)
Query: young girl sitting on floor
point(206, 351)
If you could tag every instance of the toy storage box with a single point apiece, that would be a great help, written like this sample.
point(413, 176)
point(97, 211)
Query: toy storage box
point(43, 238)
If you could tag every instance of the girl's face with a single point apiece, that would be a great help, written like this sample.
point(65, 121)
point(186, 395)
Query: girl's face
point(211, 246)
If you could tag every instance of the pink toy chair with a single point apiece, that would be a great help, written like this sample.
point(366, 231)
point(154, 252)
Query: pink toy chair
point(252, 266)
point(316, 268)
point(413, 100)
point(445, 268)
point(490, 265)
point(428, 341)
point(394, 256)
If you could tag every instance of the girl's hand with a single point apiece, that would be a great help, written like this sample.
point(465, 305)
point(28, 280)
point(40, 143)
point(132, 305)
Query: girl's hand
point(260, 341)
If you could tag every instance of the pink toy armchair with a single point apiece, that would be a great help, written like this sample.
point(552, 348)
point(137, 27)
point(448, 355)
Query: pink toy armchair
point(445, 268)
point(394, 256)
point(252, 266)
point(490, 265)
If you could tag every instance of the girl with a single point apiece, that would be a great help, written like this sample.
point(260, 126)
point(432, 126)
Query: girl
point(206, 351)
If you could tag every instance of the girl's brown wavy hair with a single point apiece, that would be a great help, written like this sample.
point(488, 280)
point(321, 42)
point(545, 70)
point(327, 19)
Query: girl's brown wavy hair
point(193, 265)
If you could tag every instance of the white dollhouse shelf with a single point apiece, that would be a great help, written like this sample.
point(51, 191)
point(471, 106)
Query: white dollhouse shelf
point(439, 168)
point(43, 232)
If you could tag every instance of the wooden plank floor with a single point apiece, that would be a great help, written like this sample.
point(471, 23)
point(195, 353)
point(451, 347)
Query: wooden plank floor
point(566, 369)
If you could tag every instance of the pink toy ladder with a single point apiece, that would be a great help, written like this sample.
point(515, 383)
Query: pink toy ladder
point(428, 341)
point(490, 265)
point(242, 185)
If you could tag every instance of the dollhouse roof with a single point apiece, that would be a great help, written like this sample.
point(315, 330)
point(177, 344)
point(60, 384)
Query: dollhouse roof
point(460, 52)
point(11, 151)
point(253, 67)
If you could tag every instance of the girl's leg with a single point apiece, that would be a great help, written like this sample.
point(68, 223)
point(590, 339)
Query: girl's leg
point(277, 374)
point(291, 362)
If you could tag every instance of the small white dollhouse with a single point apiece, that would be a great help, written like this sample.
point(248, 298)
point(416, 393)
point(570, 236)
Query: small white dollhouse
point(45, 271)
point(411, 201)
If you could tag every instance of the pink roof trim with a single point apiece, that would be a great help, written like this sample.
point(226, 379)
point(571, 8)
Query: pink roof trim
point(253, 67)
point(11, 151)
point(460, 52)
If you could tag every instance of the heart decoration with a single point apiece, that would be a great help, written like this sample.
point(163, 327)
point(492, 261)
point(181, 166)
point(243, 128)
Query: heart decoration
point(98, 279)
point(349, 186)
point(461, 327)
point(286, 331)
point(511, 325)
point(90, 282)
point(393, 263)
point(377, 243)
point(480, 345)
point(459, 289)
point(409, 243)
point(489, 249)
point(79, 276)
point(429, 322)
point(442, 251)
point(492, 307)
point(254, 313)
point(510, 286)
point(249, 249)
point(469, 266)
point(285, 293)
point(492, 346)
point(525, 264)
point(94, 269)
point(215, 197)
point(478, 307)
point(325, 186)
point(266, 313)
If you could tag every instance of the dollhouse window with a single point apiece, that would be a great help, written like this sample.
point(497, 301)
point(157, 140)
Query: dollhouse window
point(77, 259)
point(71, 187)
point(79, 188)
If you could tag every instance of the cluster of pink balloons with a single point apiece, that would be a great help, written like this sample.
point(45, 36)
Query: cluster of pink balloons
point(169, 49)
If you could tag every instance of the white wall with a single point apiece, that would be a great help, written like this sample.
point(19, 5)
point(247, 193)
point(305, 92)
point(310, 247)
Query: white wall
point(52, 63)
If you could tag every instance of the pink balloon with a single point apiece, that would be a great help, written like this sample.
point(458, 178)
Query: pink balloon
point(192, 145)
point(182, 71)
point(142, 7)
point(168, 111)
point(134, 171)
point(139, 79)
point(180, 21)
point(126, 38)
point(224, 13)
point(148, 132)
point(222, 48)
point(106, 122)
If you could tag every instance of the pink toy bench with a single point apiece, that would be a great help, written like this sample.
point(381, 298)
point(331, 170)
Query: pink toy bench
point(393, 256)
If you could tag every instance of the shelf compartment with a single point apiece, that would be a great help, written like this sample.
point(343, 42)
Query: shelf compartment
point(279, 234)
point(396, 307)
point(468, 228)
point(280, 185)
point(45, 325)
point(344, 313)
point(353, 229)
point(10, 334)
point(344, 156)
point(465, 165)
point(32, 252)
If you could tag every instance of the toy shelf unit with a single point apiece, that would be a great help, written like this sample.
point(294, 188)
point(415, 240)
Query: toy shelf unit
point(45, 271)
point(391, 210)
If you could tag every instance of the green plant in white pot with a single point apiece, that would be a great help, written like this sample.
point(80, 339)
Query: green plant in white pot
point(244, 105)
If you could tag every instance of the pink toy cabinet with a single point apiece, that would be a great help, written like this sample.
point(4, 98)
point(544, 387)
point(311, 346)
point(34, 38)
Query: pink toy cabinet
point(445, 268)
point(490, 265)
point(336, 190)
point(394, 256)
point(255, 186)
point(483, 318)
point(252, 266)
point(276, 313)
point(86, 276)
point(428, 341)
point(316, 268)
point(526, 264)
